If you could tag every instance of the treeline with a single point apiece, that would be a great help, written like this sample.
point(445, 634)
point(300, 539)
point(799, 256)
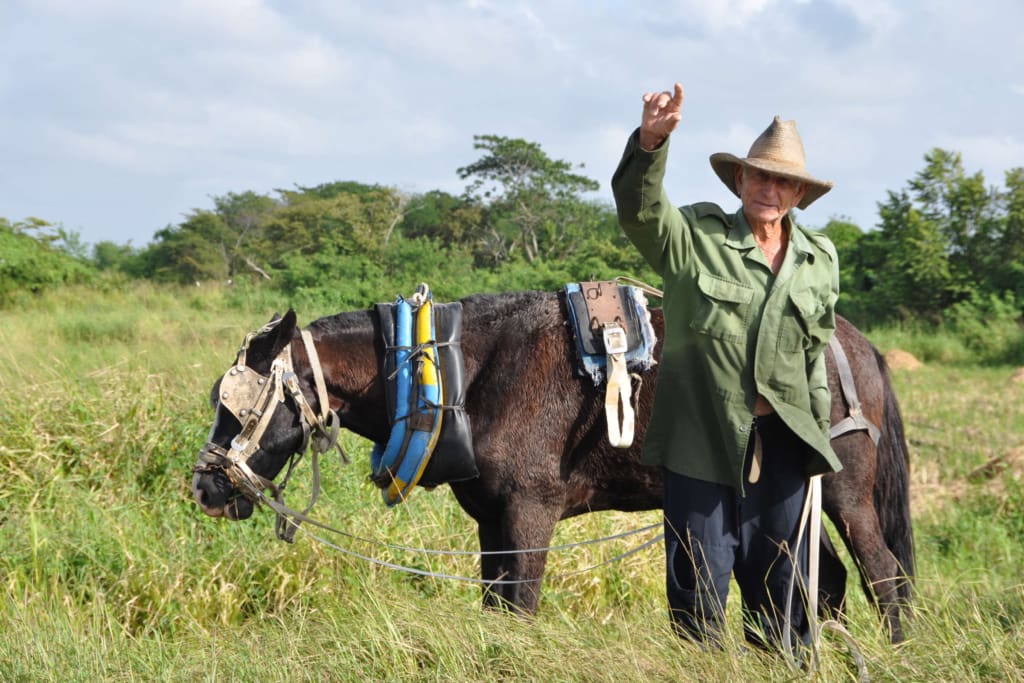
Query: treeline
point(948, 248)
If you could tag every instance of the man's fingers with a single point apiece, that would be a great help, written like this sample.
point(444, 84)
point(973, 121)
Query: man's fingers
point(655, 102)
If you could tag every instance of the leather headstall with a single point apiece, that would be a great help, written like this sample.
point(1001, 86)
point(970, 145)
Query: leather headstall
point(252, 399)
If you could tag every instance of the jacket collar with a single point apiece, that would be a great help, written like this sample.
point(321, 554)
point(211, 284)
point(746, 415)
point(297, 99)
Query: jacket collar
point(741, 237)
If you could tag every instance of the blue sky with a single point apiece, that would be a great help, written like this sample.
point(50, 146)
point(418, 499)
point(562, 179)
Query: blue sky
point(119, 117)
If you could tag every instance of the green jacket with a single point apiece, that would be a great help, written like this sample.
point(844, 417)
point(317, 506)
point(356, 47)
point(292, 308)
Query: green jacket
point(732, 328)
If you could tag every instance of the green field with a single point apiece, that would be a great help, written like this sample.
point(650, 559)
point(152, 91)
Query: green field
point(111, 573)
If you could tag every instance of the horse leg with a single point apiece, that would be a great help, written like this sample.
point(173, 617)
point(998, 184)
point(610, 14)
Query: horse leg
point(512, 575)
point(849, 502)
point(492, 545)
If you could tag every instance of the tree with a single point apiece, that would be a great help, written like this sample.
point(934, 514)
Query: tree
point(342, 217)
point(190, 252)
point(961, 208)
point(437, 215)
point(122, 258)
point(243, 218)
point(31, 260)
point(943, 239)
point(914, 277)
point(533, 202)
point(1007, 241)
point(854, 275)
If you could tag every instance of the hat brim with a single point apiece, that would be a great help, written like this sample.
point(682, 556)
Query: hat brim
point(725, 165)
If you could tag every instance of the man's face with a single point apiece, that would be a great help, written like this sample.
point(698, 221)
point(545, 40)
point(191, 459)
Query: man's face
point(766, 197)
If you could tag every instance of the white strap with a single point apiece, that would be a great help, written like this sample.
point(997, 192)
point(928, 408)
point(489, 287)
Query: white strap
point(318, 375)
point(755, 459)
point(810, 521)
point(814, 553)
point(618, 394)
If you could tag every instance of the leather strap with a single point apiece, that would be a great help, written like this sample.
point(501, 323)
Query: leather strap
point(618, 393)
point(855, 420)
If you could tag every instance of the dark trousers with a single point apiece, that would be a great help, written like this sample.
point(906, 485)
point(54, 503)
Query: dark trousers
point(711, 531)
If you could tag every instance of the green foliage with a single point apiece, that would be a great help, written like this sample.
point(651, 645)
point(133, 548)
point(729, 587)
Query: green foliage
point(532, 201)
point(1005, 262)
point(30, 262)
point(915, 276)
point(191, 252)
point(989, 327)
point(108, 256)
point(439, 216)
point(337, 218)
point(944, 239)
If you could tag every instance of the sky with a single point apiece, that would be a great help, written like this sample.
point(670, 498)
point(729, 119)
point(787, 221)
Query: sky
point(119, 118)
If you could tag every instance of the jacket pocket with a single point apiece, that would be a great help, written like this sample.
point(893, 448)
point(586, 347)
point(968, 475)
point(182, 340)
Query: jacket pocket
point(800, 328)
point(723, 309)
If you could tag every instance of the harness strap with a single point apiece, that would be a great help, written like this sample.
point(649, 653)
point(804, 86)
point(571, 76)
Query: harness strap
point(247, 441)
point(810, 516)
point(855, 420)
point(619, 389)
point(256, 419)
point(326, 424)
point(810, 521)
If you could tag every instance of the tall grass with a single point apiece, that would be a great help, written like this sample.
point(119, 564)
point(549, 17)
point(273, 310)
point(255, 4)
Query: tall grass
point(111, 573)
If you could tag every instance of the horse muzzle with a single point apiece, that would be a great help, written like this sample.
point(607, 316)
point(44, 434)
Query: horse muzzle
point(214, 489)
point(217, 497)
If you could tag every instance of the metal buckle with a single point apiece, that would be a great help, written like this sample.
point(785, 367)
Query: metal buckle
point(614, 338)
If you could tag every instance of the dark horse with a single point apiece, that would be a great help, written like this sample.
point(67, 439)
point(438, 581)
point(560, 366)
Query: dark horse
point(540, 437)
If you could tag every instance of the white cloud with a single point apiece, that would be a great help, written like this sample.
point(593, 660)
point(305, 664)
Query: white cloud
point(724, 15)
point(98, 148)
point(877, 16)
point(189, 99)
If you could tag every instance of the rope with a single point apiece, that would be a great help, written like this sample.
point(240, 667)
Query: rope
point(472, 579)
point(293, 518)
point(810, 521)
point(653, 291)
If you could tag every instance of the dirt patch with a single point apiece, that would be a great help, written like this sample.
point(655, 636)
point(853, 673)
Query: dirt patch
point(994, 474)
point(928, 492)
point(898, 359)
point(1017, 377)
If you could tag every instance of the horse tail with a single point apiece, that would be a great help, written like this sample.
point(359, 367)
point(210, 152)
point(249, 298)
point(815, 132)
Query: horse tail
point(892, 483)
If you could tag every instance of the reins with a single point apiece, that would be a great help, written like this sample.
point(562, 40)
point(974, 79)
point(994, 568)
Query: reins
point(295, 518)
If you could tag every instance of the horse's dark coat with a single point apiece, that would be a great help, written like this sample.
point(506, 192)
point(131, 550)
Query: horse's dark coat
point(540, 437)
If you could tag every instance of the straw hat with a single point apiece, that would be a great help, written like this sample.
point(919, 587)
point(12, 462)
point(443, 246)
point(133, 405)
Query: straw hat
point(778, 150)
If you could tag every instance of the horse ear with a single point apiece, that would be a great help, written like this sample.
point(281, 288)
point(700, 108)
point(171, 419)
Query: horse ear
point(270, 342)
point(284, 331)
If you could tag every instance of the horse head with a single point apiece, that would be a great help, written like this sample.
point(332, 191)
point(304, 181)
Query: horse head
point(262, 421)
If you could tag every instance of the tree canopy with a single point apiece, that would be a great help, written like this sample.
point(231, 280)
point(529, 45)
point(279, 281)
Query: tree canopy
point(948, 245)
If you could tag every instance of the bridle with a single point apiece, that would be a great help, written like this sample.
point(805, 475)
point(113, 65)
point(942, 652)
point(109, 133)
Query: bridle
point(252, 398)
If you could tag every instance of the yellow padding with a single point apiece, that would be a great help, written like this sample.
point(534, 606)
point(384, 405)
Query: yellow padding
point(424, 334)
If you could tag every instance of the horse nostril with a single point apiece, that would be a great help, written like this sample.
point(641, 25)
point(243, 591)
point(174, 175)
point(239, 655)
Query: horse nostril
point(207, 494)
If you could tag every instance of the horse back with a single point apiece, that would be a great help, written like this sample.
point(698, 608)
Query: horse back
point(538, 422)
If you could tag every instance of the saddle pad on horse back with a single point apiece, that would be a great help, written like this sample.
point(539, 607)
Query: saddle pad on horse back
point(623, 305)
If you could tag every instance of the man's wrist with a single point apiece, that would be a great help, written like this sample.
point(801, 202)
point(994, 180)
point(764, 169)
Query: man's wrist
point(649, 141)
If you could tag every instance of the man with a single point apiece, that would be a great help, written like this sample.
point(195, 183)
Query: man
point(741, 411)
